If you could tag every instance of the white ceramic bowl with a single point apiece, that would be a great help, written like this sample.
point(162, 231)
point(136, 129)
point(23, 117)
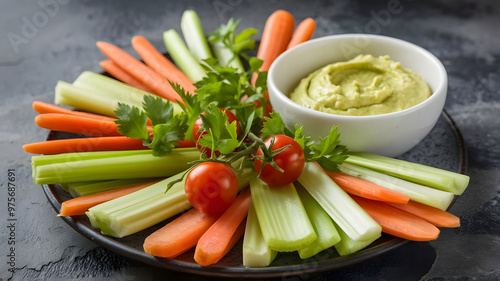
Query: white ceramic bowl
point(388, 134)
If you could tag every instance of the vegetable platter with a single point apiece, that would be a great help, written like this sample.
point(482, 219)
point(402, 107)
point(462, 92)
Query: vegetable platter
point(180, 162)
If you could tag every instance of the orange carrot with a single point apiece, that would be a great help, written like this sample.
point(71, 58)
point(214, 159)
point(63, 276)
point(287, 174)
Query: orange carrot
point(365, 189)
point(179, 235)
point(276, 35)
point(302, 33)
point(398, 223)
point(217, 240)
point(77, 124)
point(113, 69)
point(84, 145)
point(139, 71)
point(431, 214)
point(238, 233)
point(42, 107)
point(78, 206)
point(158, 62)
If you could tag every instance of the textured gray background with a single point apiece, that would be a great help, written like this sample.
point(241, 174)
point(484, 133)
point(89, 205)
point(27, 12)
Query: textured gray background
point(463, 34)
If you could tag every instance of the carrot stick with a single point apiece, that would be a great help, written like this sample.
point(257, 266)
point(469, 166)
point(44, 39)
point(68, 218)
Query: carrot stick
point(431, 214)
point(365, 189)
point(236, 236)
point(276, 35)
point(398, 223)
point(302, 33)
point(139, 71)
point(214, 243)
point(158, 62)
point(113, 69)
point(179, 235)
point(42, 107)
point(78, 206)
point(84, 145)
point(77, 124)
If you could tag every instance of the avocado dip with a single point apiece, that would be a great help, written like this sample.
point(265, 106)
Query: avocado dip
point(365, 85)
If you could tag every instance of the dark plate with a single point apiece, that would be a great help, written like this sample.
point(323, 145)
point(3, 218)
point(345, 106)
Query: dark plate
point(443, 147)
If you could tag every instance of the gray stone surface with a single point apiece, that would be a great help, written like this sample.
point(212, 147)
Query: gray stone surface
point(40, 46)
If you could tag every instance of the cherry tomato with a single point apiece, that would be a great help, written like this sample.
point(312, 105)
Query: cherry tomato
point(211, 187)
point(198, 132)
point(291, 160)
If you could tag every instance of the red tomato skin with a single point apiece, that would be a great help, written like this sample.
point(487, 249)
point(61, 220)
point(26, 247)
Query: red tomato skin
point(211, 187)
point(291, 160)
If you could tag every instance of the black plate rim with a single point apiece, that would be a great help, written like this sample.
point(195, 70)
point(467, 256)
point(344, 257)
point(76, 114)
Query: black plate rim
point(242, 272)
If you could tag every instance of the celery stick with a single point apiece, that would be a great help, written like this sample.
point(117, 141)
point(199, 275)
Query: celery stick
point(282, 217)
point(39, 160)
point(77, 189)
point(194, 36)
point(84, 100)
point(121, 167)
point(100, 94)
point(322, 224)
point(226, 57)
point(425, 175)
point(182, 56)
point(144, 214)
point(141, 209)
point(347, 246)
point(256, 253)
point(344, 211)
point(419, 193)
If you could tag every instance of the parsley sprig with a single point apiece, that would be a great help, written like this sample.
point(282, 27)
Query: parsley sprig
point(167, 128)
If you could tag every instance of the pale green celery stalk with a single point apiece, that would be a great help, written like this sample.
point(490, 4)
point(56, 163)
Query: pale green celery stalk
point(347, 246)
point(81, 99)
point(100, 94)
point(194, 36)
point(282, 217)
point(78, 189)
point(226, 57)
point(39, 160)
point(322, 223)
point(256, 253)
point(120, 167)
point(344, 211)
point(429, 176)
point(141, 209)
point(182, 57)
point(419, 193)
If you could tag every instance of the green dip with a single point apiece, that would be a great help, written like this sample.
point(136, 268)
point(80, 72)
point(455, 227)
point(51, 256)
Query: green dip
point(364, 85)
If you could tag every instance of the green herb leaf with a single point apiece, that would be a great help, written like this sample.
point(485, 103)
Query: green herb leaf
point(157, 110)
point(274, 125)
point(226, 33)
point(132, 122)
point(191, 107)
point(328, 152)
point(167, 135)
point(221, 135)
